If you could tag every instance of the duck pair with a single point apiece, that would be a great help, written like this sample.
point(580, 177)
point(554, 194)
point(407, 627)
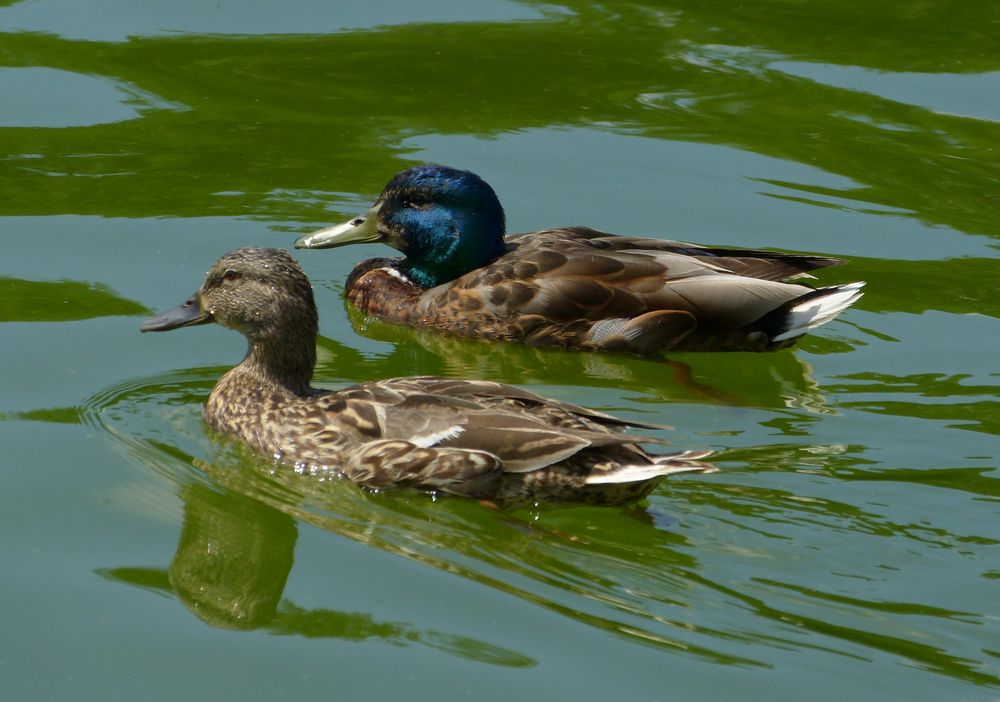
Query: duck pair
point(575, 287)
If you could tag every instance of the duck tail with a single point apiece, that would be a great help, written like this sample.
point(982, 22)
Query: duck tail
point(680, 462)
point(806, 312)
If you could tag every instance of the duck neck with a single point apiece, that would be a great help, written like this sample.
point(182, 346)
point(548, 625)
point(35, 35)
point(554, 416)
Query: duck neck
point(282, 354)
point(284, 365)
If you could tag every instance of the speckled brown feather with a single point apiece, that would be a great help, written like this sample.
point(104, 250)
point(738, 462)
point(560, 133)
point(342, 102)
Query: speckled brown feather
point(581, 288)
point(465, 437)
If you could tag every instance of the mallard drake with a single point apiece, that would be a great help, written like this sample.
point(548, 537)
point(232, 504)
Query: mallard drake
point(573, 287)
point(465, 437)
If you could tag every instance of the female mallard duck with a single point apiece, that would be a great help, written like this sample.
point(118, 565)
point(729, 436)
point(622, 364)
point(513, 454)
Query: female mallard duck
point(573, 287)
point(466, 437)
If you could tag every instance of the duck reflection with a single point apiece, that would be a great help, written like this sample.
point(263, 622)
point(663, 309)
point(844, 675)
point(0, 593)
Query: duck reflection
point(780, 379)
point(230, 568)
point(233, 558)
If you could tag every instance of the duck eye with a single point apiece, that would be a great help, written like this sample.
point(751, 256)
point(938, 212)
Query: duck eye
point(231, 275)
point(416, 200)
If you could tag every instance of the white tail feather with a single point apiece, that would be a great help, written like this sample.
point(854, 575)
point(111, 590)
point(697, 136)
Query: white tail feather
point(820, 309)
point(684, 462)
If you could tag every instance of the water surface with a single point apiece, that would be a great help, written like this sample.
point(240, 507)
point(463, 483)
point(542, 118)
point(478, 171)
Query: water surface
point(848, 548)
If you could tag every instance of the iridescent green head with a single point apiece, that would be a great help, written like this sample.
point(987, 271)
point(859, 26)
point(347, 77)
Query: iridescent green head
point(446, 222)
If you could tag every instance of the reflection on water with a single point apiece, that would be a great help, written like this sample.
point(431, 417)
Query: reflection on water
point(127, 19)
point(612, 61)
point(50, 98)
point(636, 573)
point(62, 301)
point(783, 379)
point(232, 561)
point(969, 405)
point(964, 95)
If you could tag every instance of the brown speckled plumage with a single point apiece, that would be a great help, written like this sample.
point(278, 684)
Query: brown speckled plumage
point(581, 288)
point(465, 437)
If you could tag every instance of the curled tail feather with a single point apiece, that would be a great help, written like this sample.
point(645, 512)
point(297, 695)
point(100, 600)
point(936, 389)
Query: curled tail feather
point(801, 315)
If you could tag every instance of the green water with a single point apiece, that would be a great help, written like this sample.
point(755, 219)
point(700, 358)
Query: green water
point(848, 549)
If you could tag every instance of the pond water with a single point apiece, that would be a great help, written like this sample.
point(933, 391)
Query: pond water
point(848, 548)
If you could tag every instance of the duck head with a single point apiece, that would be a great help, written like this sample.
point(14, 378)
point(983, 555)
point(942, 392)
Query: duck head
point(256, 291)
point(446, 222)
